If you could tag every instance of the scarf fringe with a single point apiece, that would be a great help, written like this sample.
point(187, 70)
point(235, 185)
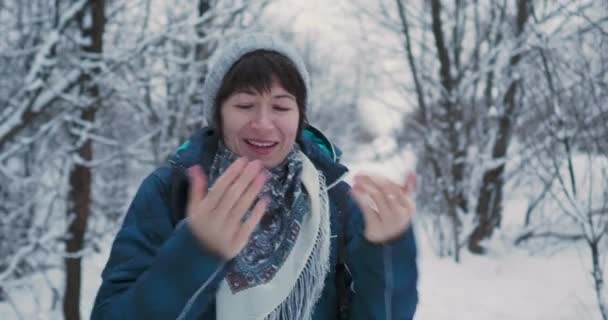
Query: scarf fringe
point(300, 303)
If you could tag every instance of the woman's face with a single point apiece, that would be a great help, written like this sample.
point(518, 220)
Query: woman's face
point(260, 125)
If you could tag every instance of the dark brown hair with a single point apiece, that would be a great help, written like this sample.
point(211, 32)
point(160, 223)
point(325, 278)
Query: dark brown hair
point(257, 70)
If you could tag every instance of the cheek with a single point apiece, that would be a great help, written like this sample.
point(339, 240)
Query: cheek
point(290, 125)
point(230, 124)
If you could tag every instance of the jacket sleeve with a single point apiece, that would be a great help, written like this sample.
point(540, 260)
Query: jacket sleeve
point(155, 271)
point(385, 276)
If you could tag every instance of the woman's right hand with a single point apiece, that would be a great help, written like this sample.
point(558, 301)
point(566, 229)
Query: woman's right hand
point(215, 216)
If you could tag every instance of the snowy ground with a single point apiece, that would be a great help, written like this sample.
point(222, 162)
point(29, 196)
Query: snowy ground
point(514, 286)
point(508, 283)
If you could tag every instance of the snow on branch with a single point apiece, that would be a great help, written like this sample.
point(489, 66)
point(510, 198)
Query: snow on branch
point(23, 251)
point(52, 39)
point(23, 103)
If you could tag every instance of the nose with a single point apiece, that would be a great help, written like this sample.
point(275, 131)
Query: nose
point(262, 119)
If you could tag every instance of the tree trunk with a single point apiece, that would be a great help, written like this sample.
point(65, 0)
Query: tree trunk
point(456, 228)
point(489, 205)
point(598, 279)
point(80, 176)
point(80, 184)
point(202, 53)
point(453, 111)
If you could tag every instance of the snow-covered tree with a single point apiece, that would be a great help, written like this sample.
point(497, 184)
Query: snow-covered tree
point(568, 133)
point(466, 68)
point(92, 93)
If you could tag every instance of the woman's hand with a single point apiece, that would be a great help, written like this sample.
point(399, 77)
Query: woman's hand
point(387, 207)
point(215, 216)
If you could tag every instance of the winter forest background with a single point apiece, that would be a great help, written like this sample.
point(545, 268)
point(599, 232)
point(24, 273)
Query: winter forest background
point(499, 105)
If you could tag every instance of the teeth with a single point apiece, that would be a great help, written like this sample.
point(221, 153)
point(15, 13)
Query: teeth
point(261, 144)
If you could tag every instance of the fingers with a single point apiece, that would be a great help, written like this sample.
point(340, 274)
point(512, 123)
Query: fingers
point(393, 195)
point(408, 188)
point(216, 219)
point(223, 182)
point(393, 207)
point(246, 200)
point(230, 197)
point(410, 183)
point(370, 213)
point(247, 228)
point(198, 184)
point(380, 192)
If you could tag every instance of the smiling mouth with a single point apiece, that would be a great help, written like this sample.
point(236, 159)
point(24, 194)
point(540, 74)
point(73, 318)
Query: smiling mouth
point(261, 144)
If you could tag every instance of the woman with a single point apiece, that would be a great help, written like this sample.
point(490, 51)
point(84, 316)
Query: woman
point(247, 222)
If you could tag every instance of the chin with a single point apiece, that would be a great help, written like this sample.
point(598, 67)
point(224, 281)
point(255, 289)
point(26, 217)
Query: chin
point(269, 164)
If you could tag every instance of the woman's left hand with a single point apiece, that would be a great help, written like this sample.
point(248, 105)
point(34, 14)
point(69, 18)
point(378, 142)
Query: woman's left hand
point(387, 207)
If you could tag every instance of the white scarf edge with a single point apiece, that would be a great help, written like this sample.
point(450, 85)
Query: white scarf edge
point(296, 295)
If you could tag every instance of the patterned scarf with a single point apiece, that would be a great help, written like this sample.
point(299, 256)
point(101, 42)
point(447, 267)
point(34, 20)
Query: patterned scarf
point(274, 238)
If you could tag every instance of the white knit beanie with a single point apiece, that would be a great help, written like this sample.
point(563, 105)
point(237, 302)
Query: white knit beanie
point(231, 52)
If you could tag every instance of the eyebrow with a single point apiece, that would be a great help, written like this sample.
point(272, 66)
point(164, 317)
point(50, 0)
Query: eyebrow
point(246, 91)
point(278, 96)
point(281, 96)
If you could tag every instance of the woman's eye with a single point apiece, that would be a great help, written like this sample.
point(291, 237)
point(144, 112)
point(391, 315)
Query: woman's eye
point(244, 106)
point(282, 109)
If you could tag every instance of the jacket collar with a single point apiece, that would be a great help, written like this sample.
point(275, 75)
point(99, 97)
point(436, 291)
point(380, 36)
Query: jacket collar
point(202, 146)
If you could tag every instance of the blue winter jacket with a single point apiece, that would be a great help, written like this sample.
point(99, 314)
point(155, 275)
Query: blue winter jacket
point(156, 267)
